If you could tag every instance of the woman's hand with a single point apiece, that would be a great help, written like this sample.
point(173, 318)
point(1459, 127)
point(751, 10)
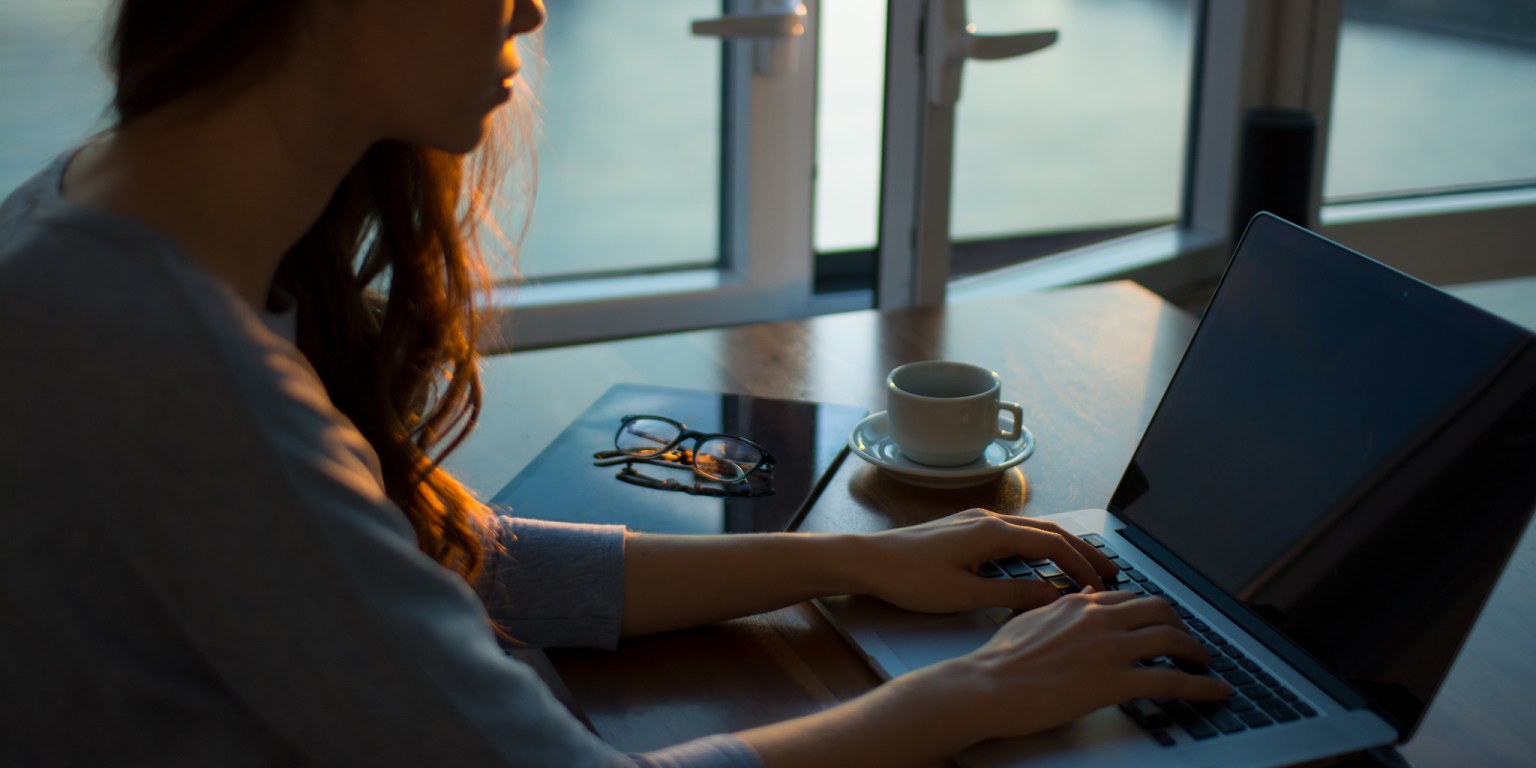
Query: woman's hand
point(1042, 669)
point(1057, 663)
point(932, 567)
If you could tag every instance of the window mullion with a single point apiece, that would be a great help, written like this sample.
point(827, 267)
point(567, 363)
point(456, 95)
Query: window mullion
point(904, 192)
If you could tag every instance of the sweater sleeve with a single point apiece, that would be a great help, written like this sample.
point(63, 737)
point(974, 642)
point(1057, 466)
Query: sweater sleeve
point(551, 584)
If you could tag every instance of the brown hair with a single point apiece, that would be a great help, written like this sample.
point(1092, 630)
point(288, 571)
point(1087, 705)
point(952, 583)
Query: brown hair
point(388, 279)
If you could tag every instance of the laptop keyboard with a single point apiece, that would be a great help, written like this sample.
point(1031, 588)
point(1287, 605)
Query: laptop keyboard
point(1258, 699)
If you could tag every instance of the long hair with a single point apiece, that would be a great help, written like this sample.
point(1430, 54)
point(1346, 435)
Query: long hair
point(388, 280)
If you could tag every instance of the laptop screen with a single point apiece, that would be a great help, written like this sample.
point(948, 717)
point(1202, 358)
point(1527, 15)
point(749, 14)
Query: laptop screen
point(1347, 451)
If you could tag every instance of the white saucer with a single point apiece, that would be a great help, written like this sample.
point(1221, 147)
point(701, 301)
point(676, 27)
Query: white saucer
point(871, 440)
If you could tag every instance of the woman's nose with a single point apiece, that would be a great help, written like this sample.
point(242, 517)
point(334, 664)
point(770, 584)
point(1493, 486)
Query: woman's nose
point(527, 16)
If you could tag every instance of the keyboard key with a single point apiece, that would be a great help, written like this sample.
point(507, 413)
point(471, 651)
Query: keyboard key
point(1192, 667)
point(1255, 719)
point(1189, 720)
point(1223, 665)
point(1215, 638)
point(1236, 677)
point(1237, 703)
point(1094, 539)
point(1304, 708)
point(1164, 738)
point(1135, 575)
point(1255, 691)
point(1015, 567)
point(1146, 714)
point(1152, 589)
point(1182, 612)
point(1049, 571)
point(1038, 562)
point(1224, 721)
point(1198, 625)
point(991, 571)
point(1248, 664)
point(1277, 709)
point(1233, 652)
point(1267, 679)
point(1284, 693)
point(1063, 584)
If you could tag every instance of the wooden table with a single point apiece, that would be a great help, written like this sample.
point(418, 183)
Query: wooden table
point(1088, 365)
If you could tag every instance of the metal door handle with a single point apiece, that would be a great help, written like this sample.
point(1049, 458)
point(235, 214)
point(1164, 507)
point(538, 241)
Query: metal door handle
point(951, 40)
point(775, 33)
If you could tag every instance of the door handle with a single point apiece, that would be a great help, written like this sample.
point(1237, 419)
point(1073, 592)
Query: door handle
point(950, 40)
point(775, 32)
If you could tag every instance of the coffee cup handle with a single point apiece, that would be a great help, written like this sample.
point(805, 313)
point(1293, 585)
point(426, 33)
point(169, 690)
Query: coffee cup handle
point(1017, 429)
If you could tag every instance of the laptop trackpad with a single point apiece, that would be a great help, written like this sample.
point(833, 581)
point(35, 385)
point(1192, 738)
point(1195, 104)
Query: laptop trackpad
point(931, 641)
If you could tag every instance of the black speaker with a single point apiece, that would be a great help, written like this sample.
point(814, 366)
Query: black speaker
point(1275, 166)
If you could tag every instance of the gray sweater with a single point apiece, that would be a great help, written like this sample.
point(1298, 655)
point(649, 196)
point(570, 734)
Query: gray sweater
point(198, 564)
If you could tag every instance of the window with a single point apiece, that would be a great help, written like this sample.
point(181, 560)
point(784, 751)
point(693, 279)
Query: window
point(1423, 152)
point(713, 230)
point(630, 142)
point(49, 63)
point(1430, 130)
point(1087, 134)
point(797, 160)
point(1432, 98)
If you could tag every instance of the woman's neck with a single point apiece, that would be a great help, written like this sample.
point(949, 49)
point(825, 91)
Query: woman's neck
point(235, 184)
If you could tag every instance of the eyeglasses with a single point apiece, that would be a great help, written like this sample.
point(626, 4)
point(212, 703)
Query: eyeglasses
point(658, 440)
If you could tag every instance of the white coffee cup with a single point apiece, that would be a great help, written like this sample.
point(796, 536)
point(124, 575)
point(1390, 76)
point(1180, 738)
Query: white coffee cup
point(945, 414)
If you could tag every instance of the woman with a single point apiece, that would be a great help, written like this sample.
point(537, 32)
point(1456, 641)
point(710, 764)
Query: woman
point(228, 540)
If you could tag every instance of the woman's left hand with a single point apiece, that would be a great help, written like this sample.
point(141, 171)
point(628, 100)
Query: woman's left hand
point(932, 567)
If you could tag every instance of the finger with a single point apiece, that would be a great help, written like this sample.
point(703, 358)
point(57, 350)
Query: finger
point(1066, 556)
point(1137, 611)
point(1080, 600)
point(1163, 640)
point(1166, 683)
point(1020, 594)
point(1100, 561)
point(1108, 596)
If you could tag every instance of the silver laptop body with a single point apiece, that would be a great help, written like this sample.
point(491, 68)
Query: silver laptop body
point(1338, 440)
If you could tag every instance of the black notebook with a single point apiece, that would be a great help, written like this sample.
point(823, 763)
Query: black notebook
point(807, 440)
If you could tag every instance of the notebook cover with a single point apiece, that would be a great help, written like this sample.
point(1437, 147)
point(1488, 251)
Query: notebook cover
point(807, 440)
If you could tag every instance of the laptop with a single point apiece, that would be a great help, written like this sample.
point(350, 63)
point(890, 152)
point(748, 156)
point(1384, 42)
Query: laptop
point(1332, 483)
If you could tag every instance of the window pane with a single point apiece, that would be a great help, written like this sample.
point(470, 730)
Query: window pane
point(850, 95)
point(1086, 134)
point(1432, 96)
point(52, 85)
point(629, 151)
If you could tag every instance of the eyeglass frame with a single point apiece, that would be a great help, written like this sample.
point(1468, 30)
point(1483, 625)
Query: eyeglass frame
point(619, 455)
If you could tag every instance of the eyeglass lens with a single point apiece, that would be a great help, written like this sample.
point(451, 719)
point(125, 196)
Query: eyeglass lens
point(718, 457)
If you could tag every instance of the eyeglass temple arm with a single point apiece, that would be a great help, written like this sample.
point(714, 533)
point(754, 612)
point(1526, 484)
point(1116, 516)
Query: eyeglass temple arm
point(614, 458)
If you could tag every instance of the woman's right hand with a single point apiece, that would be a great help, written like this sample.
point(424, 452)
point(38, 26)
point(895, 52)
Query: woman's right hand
point(1044, 668)
point(1078, 654)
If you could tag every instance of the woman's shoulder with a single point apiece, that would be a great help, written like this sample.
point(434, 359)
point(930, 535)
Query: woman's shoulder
point(72, 276)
